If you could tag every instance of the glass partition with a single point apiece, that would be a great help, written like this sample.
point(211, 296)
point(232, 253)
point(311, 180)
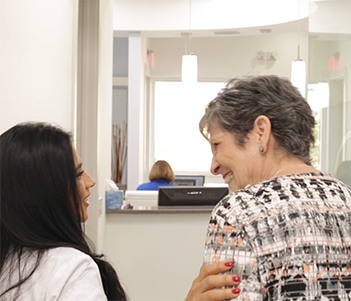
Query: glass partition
point(329, 83)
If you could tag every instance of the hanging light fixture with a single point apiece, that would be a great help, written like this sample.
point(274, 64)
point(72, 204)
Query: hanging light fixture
point(189, 59)
point(298, 66)
point(298, 73)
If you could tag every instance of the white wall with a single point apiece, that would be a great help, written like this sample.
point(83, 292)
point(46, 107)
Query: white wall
point(328, 11)
point(38, 61)
point(221, 58)
point(157, 255)
point(38, 81)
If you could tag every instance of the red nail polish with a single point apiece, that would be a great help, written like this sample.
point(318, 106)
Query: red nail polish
point(229, 264)
point(236, 278)
point(236, 290)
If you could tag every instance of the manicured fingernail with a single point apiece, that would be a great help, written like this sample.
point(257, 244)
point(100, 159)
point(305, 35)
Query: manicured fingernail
point(236, 278)
point(229, 264)
point(236, 290)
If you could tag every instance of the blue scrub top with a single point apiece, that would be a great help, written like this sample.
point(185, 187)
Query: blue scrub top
point(154, 184)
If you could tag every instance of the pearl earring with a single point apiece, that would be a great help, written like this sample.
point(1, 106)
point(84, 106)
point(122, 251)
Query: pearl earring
point(261, 149)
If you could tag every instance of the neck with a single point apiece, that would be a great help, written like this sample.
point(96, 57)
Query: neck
point(293, 167)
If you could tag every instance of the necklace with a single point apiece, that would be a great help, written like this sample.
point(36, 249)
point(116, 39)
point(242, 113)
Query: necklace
point(292, 167)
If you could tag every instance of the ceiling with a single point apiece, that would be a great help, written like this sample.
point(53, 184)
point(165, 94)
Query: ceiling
point(319, 20)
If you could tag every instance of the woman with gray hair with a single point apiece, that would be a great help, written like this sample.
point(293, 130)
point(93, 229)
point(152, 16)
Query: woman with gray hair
point(286, 225)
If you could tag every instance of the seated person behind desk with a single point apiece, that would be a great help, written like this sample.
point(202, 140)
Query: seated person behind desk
point(161, 174)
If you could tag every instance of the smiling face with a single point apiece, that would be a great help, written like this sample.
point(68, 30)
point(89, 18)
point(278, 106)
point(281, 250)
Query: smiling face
point(84, 182)
point(236, 163)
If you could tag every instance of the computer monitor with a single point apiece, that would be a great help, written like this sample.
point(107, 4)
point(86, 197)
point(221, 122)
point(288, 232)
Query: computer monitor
point(189, 180)
point(190, 195)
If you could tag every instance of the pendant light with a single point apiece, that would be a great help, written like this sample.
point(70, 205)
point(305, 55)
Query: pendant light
point(189, 59)
point(298, 73)
point(298, 66)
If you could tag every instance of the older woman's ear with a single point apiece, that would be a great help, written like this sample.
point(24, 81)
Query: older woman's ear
point(262, 130)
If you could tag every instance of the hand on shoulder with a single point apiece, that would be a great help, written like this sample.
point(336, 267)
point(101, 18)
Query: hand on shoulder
point(212, 285)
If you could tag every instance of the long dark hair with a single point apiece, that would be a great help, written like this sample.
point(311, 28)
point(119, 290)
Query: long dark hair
point(40, 206)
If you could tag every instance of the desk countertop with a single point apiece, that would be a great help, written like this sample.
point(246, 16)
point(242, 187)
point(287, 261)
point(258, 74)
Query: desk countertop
point(162, 209)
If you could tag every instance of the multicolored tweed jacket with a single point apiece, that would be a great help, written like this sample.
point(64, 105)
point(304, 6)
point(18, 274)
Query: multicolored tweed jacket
point(290, 238)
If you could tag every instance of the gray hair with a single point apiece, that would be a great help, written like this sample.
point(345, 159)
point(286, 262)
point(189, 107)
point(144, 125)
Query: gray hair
point(243, 99)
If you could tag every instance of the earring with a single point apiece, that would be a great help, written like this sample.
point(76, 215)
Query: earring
point(261, 149)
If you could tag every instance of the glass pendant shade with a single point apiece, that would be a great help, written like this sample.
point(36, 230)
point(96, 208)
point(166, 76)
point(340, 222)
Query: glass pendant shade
point(298, 75)
point(189, 68)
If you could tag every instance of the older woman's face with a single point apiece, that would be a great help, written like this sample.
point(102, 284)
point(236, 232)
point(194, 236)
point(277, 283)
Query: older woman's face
point(84, 182)
point(236, 163)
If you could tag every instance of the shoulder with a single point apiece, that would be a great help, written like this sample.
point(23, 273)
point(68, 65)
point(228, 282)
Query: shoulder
point(70, 261)
point(144, 186)
point(232, 206)
point(63, 274)
point(64, 255)
point(148, 186)
point(70, 274)
point(249, 201)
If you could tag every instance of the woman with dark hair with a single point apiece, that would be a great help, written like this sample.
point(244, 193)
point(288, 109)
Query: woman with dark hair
point(44, 254)
point(44, 199)
point(284, 220)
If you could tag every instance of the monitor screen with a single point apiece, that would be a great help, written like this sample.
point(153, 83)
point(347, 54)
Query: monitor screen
point(190, 195)
point(189, 180)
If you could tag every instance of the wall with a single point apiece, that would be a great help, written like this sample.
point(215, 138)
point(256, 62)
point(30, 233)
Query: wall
point(220, 58)
point(157, 256)
point(39, 81)
point(38, 62)
point(94, 117)
point(120, 89)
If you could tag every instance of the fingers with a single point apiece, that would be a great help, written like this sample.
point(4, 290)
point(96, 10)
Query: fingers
point(214, 268)
point(213, 285)
point(218, 281)
point(220, 294)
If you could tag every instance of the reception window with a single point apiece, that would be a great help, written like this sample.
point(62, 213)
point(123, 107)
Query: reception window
point(178, 110)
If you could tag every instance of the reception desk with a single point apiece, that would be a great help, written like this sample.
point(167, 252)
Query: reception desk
point(157, 251)
point(163, 210)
